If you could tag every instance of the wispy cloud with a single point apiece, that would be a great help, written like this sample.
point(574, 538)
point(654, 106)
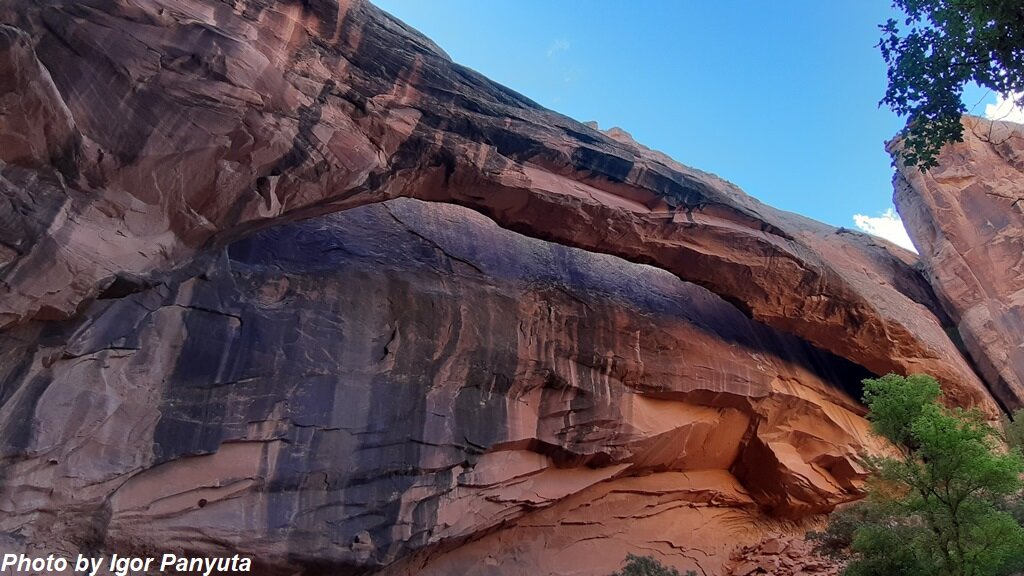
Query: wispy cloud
point(559, 45)
point(888, 225)
point(1005, 109)
point(570, 75)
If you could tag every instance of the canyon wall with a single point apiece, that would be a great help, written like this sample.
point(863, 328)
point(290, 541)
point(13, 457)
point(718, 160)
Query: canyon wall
point(280, 279)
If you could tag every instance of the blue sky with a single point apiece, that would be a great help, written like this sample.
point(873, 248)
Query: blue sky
point(779, 97)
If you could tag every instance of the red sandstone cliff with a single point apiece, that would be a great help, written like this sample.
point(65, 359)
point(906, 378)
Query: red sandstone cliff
point(967, 218)
point(231, 324)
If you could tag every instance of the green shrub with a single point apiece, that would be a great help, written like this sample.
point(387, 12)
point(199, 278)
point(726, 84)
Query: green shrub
point(647, 566)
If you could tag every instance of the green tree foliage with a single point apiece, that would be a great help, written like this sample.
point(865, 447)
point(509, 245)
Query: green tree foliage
point(935, 51)
point(945, 506)
point(896, 403)
point(647, 566)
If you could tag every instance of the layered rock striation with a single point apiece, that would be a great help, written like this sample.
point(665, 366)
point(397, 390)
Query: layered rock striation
point(280, 279)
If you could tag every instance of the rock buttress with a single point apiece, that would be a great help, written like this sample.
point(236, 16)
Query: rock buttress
point(967, 217)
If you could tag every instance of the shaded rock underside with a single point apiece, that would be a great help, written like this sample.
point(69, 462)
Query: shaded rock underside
point(407, 385)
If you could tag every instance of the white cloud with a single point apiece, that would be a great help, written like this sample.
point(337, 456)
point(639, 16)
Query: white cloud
point(1005, 109)
point(560, 45)
point(888, 226)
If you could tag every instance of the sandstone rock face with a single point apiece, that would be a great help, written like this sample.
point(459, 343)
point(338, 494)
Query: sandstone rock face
point(231, 322)
point(967, 218)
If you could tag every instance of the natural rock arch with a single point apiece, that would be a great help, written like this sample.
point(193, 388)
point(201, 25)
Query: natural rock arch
point(148, 134)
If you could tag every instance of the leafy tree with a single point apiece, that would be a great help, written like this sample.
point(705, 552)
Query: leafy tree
point(647, 566)
point(944, 507)
point(934, 52)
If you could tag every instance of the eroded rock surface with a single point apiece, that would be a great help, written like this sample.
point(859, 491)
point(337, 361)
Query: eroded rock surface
point(967, 218)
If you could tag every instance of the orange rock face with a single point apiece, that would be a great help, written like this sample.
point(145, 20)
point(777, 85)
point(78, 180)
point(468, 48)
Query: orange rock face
point(967, 218)
point(240, 313)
